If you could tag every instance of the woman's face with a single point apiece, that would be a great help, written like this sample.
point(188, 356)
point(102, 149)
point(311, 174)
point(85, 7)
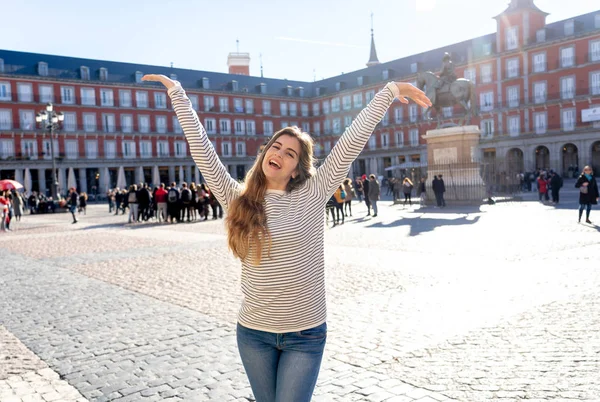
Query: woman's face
point(587, 171)
point(281, 159)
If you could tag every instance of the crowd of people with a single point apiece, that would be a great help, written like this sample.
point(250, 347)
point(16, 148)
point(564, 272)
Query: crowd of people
point(12, 205)
point(164, 204)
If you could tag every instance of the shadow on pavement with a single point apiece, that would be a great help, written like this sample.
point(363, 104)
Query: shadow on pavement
point(419, 224)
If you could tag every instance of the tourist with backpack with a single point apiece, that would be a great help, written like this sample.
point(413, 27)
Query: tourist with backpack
point(173, 197)
point(186, 201)
point(132, 201)
point(556, 182)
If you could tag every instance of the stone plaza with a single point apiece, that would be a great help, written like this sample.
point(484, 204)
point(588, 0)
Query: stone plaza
point(471, 303)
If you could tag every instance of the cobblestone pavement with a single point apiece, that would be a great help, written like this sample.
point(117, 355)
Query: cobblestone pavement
point(473, 304)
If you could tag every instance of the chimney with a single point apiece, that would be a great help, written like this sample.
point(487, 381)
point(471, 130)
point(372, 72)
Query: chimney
point(239, 63)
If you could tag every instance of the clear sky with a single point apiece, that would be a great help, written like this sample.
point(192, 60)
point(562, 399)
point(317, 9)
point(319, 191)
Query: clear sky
point(295, 37)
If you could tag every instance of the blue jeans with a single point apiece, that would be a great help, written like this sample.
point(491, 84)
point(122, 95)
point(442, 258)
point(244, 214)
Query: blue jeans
point(282, 367)
point(374, 205)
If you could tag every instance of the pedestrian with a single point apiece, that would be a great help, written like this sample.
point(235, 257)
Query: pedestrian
point(173, 196)
point(73, 201)
point(83, 197)
point(543, 183)
point(110, 197)
point(442, 190)
point(407, 187)
point(556, 182)
point(422, 193)
point(588, 192)
point(161, 203)
point(275, 227)
point(4, 212)
point(144, 199)
point(349, 196)
point(215, 205)
point(397, 184)
point(132, 201)
point(359, 188)
point(365, 186)
point(437, 190)
point(374, 193)
point(118, 200)
point(186, 201)
point(18, 204)
point(339, 196)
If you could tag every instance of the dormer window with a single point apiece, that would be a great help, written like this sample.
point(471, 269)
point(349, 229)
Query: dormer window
point(540, 35)
point(205, 83)
point(385, 74)
point(338, 86)
point(414, 67)
point(487, 49)
point(597, 21)
point(173, 76)
point(359, 81)
point(318, 91)
point(289, 90)
point(84, 72)
point(512, 38)
point(138, 76)
point(569, 28)
point(103, 74)
point(234, 86)
point(300, 92)
point(263, 88)
point(43, 69)
point(1, 65)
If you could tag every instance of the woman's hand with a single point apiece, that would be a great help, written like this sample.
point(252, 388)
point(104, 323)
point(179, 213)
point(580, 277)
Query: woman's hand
point(163, 79)
point(410, 91)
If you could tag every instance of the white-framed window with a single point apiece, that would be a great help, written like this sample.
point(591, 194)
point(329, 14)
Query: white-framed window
point(487, 48)
point(29, 149)
point(289, 90)
point(194, 101)
point(327, 126)
point(447, 112)
point(305, 126)
point(205, 83)
point(399, 139)
point(569, 27)
point(238, 105)
point(71, 149)
point(180, 149)
point(267, 127)
point(225, 126)
point(110, 149)
point(240, 149)
point(486, 73)
point(226, 148)
point(539, 62)
point(372, 142)
point(595, 83)
point(125, 98)
point(487, 128)
point(224, 104)
point(326, 107)
point(335, 105)
point(103, 74)
point(47, 149)
point(27, 119)
point(414, 137)
point(209, 103)
point(238, 127)
point(337, 125)
point(316, 108)
point(67, 95)
point(210, 125)
point(160, 100)
point(46, 93)
point(293, 108)
point(386, 118)
point(540, 124)
point(539, 92)
point(128, 149)
point(398, 115)
point(360, 80)
point(567, 56)
point(514, 126)
point(567, 87)
point(89, 122)
point(540, 35)
point(145, 149)
point(486, 102)
point(512, 68)
point(70, 121)
point(7, 148)
point(163, 148)
point(138, 76)
point(1, 65)
point(250, 127)
point(266, 105)
point(597, 21)
point(106, 97)
point(470, 74)
point(413, 113)
point(357, 100)
point(284, 124)
point(84, 72)
point(176, 126)
point(283, 109)
point(385, 140)
point(385, 74)
point(88, 96)
point(327, 146)
point(143, 123)
point(249, 103)
point(263, 88)
point(595, 50)
point(568, 119)
point(126, 123)
point(5, 92)
point(512, 38)
point(293, 124)
point(347, 102)
point(5, 119)
point(161, 124)
point(304, 109)
point(108, 122)
point(512, 94)
point(317, 128)
point(141, 99)
point(25, 92)
point(347, 121)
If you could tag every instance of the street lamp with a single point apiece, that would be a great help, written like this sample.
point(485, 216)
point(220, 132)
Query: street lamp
point(50, 120)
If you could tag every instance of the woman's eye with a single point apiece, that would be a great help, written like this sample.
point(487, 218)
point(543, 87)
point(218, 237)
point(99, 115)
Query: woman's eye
point(290, 155)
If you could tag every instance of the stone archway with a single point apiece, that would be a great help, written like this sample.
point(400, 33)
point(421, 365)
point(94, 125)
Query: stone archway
point(542, 158)
point(595, 157)
point(570, 160)
point(515, 161)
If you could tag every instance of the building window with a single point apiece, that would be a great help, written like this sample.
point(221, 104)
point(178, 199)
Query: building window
point(70, 122)
point(108, 123)
point(89, 122)
point(47, 149)
point(385, 140)
point(267, 127)
point(225, 125)
point(29, 149)
point(91, 149)
point(67, 95)
point(335, 105)
point(160, 100)
point(145, 149)
point(338, 86)
point(180, 149)
point(487, 49)
point(595, 83)
point(27, 120)
point(84, 72)
point(250, 127)
point(540, 122)
point(347, 102)
point(567, 87)
point(249, 106)
point(359, 81)
point(205, 83)
point(194, 101)
point(569, 28)
point(369, 95)
point(240, 149)
point(144, 124)
point(486, 101)
point(414, 67)
point(386, 118)
point(138, 76)
point(305, 127)
point(540, 35)
point(5, 93)
point(327, 127)
point(514, 123)
point(486, 73)
point(103, 74)
point(304, 109)
point(414, 137)
point(5, 119)
point(176, 126)
point(88, 96)
point(512, 94)
point(447, 112)
point(293, 109)
point(357, 100)
point(125, 98)
point(567, 57)
point(325, 107)
point(126, 123)
point(471, 75)
point(512, 38)
point(46, 93)
point(385, 74)
point(412, 113)
point(317, 128)
point(71, 150)
point(539, 92)
point(315, 108)
point(512, 68)
point(235, 86)
point(209, 104)
point(210, 125)
point(128, 148)
point(487, 128)
point(266, 107)
point(110, 149)
point(224, 105)
point(238, 127)
point(399, 139)
point(238, 105)
point(106, 97)
point(226, 148)
point(1, 65)
point(568, 119)
point(263, 88)
point(337, 126)
point(539, 62)
point(347, 121)
point(163, 149)
point(141, 99)
point(283, 109)
point(25, 92)
point(597, 21)
point(289, 90)
point(161, 124)
point(595, 50)
point(7, 148)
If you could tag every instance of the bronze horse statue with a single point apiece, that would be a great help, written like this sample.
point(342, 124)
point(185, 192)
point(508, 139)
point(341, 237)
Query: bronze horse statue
point(461, 91)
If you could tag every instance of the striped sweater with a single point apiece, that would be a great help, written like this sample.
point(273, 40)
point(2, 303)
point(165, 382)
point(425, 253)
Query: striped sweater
point(286, 292)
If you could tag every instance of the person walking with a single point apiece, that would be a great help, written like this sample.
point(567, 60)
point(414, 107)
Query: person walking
point(407, 187)
point(18, 205)
point(588, 192)
point(365, 186)
point(73, 202)
point(275, 227)
point(422, 193)
point(83, 198)
point(543, 187)
point(173, 197)
point(349, 196)
point(132, 201)
point(339, 196)
point(359, 188)
point(374, 192)
point(161, 203)
point(556, 182)
point(437, 190)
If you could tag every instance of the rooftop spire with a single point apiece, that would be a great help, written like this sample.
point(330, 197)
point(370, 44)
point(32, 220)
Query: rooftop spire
point(373, 61)
point(520, 5)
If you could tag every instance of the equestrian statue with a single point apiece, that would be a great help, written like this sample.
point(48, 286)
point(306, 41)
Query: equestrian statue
point(446, 90)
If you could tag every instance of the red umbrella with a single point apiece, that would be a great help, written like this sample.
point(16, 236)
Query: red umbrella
point(10, 185)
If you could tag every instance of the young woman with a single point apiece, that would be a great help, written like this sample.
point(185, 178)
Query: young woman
point(422, 193)
point(407, 187)
point(339, 195)
point(276, 228)
point(588, 192)
point(349, 196)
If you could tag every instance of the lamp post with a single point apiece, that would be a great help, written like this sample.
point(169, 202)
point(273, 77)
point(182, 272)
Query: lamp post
point(50, 119)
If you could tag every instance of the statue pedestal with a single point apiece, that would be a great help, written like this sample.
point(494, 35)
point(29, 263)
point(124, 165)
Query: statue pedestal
point(453, 153)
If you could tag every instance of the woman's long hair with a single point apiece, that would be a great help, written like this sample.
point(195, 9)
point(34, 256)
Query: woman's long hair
point(246, 222)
